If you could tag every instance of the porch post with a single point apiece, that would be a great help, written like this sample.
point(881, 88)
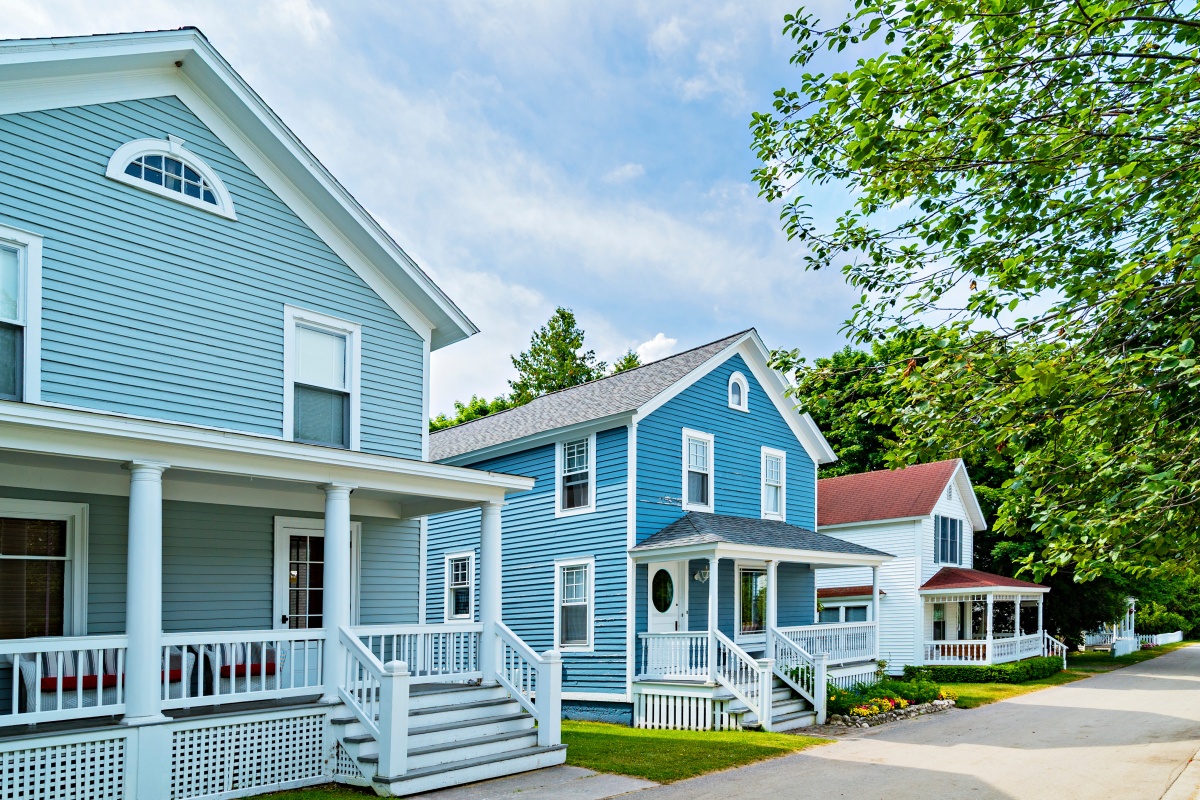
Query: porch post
point(875, 608)
point(1017, 618)
point(1041, 628)
point(714, 581)
point(143, 595)
point(336, 603)
point(772, 608)
point(990, 609)
point(491, 596)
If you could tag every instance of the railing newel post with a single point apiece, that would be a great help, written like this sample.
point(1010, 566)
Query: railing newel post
point(393, 719)
point(549, 699)
point(820, 684)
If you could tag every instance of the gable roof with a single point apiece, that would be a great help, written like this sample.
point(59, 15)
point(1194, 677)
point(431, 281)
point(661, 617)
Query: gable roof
point(963, 578)
point(893, 494)
point(701, 528)
point(637, 390)
point(46, 73)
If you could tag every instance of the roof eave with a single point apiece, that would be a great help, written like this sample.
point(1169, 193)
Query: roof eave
point(537, 439)
point(643, 554)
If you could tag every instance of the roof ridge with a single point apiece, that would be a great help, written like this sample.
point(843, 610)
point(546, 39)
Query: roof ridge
point(593, 382)
point(891, 471)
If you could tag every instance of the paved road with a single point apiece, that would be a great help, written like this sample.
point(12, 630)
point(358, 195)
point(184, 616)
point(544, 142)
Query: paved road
point(1125, 734)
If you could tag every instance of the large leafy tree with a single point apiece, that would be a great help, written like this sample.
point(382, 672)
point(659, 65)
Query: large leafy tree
point(1024, 179)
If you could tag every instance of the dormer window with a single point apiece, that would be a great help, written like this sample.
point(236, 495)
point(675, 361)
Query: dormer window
point(168, 169)
point(739, 392)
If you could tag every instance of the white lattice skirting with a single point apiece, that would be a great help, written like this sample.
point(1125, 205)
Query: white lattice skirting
point(345, 768)
point(221, 759)
point(666, 710)
point(56, 770)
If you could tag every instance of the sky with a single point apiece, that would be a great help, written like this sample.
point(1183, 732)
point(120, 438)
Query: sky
point(528, 155)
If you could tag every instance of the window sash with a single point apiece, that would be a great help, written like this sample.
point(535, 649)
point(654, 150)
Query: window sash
point(12, 286)
point(575, 481)
point(752, 588)
point(698, 493)
point(574, 606)
point(320, 416)
point(35, 575)
point(321, 358)
point(948, 548)
point(698, 459)
point(575, 457)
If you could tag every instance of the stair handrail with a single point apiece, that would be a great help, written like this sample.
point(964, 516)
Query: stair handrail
point(378, 694)
point(742, 674)
point(535, 681)
point(811, 679)
point(1053, 647)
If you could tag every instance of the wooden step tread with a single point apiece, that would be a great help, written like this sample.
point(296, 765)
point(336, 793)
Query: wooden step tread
point(457, 724)
point(499, 701)
point(468, 763)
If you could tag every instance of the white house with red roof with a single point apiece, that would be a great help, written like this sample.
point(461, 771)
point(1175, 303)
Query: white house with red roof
point(934, 607)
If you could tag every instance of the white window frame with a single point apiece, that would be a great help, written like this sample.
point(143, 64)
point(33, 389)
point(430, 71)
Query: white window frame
point(739, 379)
point(937, 549)
point(559, 564)
point(447, 614)
point(770, 452)
point(313, 526)
point(842, 603)
point(29, 259)
point(712, 471)
point(76, 516)
point(739, 568)
point(559, 511)
point(173, 147)
point(293, 316)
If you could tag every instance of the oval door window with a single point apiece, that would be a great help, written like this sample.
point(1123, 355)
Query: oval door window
point(662, 591)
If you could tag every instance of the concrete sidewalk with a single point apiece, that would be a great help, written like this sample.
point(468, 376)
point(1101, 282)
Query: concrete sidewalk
point(1127, 734)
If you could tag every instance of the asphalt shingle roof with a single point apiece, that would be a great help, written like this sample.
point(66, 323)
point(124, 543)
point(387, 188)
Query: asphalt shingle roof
point(963, 578)
point(698, 528)
point(622, 393)
point(883, 494)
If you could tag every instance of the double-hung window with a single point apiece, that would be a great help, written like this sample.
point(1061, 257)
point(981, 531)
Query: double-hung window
point(575, 465)
point(321, 372)
point(752, 601)
point(20, 317)
point(460, 589)
point(42, 587)
point(573, 620)
point(774, 476)
point(697, 471)
point(948, 540)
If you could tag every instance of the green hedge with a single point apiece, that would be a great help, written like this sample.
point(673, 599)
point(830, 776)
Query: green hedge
point(1017, 672)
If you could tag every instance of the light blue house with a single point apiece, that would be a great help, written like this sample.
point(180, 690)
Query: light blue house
point(213, 472)
point(667, 548)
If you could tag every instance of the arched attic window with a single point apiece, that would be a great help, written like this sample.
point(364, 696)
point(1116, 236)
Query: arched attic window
point(166, 168)
point(739, 392)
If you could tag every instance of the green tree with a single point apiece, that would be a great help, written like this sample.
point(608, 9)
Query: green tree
point(555, 360)
point(1024, 180)
point(465, 412)
point(630, 360)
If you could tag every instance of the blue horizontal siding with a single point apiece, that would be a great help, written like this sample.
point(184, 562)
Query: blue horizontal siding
point(157, 309)
point(533, 538)
point(737, 452)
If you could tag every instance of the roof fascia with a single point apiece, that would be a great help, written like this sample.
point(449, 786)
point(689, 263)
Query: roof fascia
point(79, 70)
point(865, 522)
point(985, 590)
point(539, 439)
point(728, 550)
point(967, 492)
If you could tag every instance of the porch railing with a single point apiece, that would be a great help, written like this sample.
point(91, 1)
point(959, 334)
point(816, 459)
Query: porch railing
point(981, 651)
point(377, 694)
point(682, 654)
point(1053, 647)
point(1096, 638)
point(748, 679)
point(66, 677)
point(535, 681)
point(242, 666)
point(844, 642)
point(433, 653)
point(802, 671)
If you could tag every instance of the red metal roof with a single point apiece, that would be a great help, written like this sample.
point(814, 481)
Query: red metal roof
point(846, 591)
point(962, 578)
point(883, 494)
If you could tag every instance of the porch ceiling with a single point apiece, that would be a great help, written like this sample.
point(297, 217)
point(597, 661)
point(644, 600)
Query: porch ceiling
point(44, 447)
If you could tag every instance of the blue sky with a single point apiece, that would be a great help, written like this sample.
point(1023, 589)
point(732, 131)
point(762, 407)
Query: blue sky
point(592, 155)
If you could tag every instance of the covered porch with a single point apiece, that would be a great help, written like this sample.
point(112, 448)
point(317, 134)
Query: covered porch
point(200, 615)
point(726, 611)
point(974, 617)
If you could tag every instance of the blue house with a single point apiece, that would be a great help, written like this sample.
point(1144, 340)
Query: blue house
point(213, 458)
point(667, 548)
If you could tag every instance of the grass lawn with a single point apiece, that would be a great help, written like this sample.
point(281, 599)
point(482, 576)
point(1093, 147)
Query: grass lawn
point(667, 756)
point(330, 792)
point(1104, 662)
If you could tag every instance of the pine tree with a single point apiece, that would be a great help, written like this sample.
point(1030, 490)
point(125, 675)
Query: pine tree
point(628, 361)
point(555, 360)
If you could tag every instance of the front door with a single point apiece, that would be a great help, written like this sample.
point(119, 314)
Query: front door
point(666, 597)
point(300, 572)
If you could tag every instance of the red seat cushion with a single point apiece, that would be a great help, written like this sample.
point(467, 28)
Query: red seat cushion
point(70, 682)
point(255, 669)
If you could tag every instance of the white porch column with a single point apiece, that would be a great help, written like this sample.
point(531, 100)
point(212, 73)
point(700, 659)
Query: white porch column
point(491, 596)
point(143, 595)
point(875, 608)
point(1017, 619)
point(990, 608)
point(1041, 628)
point(714, 581)
point(336, 602)
point(772, 605)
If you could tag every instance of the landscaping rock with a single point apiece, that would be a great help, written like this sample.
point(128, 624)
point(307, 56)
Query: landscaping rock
point(892, 716)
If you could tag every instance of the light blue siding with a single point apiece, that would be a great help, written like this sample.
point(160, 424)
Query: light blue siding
point(533, 539)
point(157, 309)
point(739, 437)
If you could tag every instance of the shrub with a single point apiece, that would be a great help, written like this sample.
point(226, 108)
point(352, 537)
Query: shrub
point(883, 696)
point(1017, 672)
point(1156, 619)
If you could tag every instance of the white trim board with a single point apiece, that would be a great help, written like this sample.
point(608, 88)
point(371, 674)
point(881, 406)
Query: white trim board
point(472, 584)
point(172, 146)
point(352, 331)
point(590, 508)
point(590, 563)
point(311, 527)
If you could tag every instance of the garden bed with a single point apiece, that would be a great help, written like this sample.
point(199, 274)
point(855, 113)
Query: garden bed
point(891, 715)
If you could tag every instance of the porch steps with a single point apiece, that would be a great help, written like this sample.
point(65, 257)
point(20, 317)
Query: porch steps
point(457, 734)
point(788, 709)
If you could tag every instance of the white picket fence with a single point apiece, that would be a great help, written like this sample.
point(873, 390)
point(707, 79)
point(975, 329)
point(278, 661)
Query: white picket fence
point(1159, 639)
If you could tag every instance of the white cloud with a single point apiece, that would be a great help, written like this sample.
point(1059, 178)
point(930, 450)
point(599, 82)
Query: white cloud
point(625, 173)
point(658, 347)
point(668, 38)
